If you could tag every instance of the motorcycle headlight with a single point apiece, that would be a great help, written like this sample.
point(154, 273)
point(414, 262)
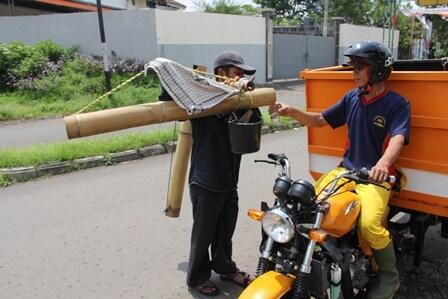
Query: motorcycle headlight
point(278, 225)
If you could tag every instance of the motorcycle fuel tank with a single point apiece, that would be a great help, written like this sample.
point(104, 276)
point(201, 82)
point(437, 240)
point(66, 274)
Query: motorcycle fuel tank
point(342, 215)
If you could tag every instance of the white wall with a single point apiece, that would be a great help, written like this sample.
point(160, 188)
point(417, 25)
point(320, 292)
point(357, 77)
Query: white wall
point(352, 34)
point(196, 38)
point(175, 27)
point(128, 33)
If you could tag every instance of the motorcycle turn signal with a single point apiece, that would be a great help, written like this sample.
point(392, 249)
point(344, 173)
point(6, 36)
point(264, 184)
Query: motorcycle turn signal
point(255, 214)
point(318, 235)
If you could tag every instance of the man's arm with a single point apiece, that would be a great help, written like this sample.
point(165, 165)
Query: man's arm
point(309, 119)
point(380, 171)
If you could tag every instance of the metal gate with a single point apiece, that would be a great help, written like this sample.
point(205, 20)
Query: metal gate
point(294, 52)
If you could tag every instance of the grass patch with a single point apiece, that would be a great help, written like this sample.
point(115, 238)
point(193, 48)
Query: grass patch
point(13, 106)
point(42, 154)
point(4, 181)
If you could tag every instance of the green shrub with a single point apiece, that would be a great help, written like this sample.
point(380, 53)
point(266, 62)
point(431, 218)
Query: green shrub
point(21, 64)
point(48, 80)
point(87, 66)
point(53, 51)
point(31, 65)
point(12, 54)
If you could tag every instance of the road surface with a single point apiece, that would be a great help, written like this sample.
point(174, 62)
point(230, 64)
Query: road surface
point(101, 232)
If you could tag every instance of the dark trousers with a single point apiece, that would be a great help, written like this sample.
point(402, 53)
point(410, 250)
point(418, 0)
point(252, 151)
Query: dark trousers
point(214, 220)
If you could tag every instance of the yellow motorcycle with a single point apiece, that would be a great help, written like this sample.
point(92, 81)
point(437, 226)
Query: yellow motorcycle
point(310, 245)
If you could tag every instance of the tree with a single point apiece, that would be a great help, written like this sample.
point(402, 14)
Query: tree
point(440, 36)
point(381, 16)
point(360, 12)
point(291, 9)
point(353, 12)
point(228, 7)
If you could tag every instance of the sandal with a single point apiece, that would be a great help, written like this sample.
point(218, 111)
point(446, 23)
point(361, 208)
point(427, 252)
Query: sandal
point(243, 281)
point(207, 288)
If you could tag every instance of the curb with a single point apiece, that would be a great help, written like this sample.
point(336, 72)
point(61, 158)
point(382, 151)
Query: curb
point(23, 174)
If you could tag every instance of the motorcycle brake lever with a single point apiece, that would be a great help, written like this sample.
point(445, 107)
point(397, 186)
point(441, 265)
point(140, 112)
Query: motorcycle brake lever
point(274, 157)
point(265, 161)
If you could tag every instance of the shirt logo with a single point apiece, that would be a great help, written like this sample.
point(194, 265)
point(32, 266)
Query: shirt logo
point(379, 121)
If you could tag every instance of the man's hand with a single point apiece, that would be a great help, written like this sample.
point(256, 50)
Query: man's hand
point(281, 109)
point(379, 173)
point(311, 119)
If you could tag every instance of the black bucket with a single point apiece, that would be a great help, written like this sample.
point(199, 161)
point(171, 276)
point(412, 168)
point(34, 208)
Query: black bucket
point(245, 137)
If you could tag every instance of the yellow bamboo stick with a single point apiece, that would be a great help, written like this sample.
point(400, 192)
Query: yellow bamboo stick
point(92, 123)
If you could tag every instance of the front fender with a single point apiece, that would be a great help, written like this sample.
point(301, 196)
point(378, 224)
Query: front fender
point(270, 285)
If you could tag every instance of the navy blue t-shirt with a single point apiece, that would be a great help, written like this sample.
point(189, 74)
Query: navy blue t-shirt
point(370, 125)
point(213, 165)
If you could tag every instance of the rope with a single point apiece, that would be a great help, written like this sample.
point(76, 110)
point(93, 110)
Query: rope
point(110, 92)
point(213, 75)
point(171, 166)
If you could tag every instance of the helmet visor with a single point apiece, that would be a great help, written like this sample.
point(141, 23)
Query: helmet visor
point(358, 64)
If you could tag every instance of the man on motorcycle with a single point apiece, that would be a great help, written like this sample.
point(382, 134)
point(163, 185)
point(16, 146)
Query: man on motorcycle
point(378, 123)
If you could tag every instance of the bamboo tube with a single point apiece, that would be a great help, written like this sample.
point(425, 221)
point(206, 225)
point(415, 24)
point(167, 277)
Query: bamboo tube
point(87, 124)
point(179, 170)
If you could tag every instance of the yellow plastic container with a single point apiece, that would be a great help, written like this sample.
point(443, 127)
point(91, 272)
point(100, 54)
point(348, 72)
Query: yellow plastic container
point(424, 161)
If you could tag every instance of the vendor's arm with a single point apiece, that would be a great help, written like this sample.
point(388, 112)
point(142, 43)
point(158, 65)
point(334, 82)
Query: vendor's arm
point(380, 171)
point(310, 119)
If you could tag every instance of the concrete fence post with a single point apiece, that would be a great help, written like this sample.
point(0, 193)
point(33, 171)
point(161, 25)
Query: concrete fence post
point(268, 14)
point(337, 21)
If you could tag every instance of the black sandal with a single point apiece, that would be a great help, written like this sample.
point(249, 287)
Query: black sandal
point(247, 279)
point(207, 288)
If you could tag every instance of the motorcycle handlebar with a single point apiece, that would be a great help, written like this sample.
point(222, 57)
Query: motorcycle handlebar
point(278, 159)
point(363, 176)
point(265, 161)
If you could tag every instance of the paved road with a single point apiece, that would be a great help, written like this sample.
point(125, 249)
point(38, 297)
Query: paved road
point(17, 134)
point(101, 233)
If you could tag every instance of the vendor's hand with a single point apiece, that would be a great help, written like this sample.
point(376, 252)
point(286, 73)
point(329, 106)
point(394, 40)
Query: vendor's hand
point(229, 81)
point(379, 173)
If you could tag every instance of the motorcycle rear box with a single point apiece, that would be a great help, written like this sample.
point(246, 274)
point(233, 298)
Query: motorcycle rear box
point(424, 161)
